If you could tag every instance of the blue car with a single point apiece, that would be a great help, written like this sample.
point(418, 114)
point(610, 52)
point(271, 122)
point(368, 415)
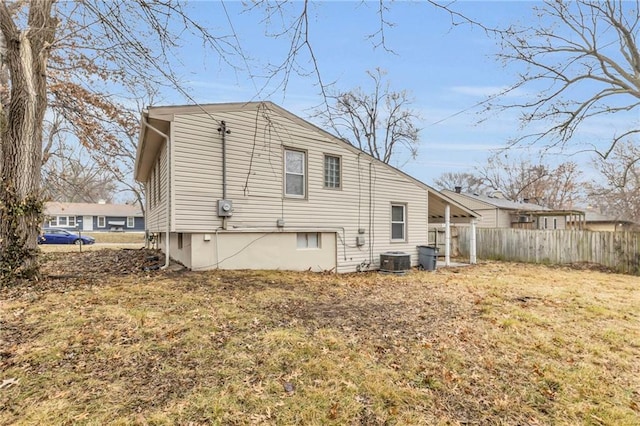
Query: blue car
point(61, 236)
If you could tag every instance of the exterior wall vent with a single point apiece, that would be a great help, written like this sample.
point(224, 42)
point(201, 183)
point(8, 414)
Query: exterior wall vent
point(395, 261)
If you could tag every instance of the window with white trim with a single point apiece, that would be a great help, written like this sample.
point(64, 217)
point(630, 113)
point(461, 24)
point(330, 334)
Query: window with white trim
point(398, 222)
point(131, 222)
point(62, 221)
point(295, 173)
point(555, 223)
point(102, 222)
point(332, 172)
point(308, 240)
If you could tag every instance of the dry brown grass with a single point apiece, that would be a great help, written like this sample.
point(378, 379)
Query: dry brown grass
point(117, 237)
point(491, 344)
point(114, 240)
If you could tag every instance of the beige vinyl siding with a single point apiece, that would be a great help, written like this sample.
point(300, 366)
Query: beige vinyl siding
point(504, 218)
point(255, 184)
point(488, 218)
point(157, 205)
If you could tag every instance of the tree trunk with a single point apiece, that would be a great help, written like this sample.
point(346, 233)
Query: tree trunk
point(25, 55)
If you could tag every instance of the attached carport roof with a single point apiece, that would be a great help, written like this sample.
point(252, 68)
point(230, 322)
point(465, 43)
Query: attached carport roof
point(438, 203)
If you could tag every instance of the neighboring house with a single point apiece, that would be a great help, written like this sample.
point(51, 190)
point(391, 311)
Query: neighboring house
point(94, 217)
point(252, 186)
point(498, 212)
point(595, 221)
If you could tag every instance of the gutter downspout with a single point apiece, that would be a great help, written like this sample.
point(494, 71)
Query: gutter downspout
point(167, 139)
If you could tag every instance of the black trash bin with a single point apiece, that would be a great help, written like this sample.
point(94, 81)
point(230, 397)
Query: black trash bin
point(427, 257)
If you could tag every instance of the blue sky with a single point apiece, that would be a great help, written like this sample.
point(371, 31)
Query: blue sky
point(446, 69)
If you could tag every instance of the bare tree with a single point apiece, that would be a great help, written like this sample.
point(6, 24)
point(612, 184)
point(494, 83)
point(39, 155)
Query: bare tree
point(379, 123)
point(117, 159)
point(25, 54)
point(619, 195)
point(70, 176)
point(467, 182)
point(556, 187)
point(582, 62)
point(71, 56)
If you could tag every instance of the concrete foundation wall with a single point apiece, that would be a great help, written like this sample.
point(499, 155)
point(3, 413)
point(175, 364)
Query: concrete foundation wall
point(254, 250)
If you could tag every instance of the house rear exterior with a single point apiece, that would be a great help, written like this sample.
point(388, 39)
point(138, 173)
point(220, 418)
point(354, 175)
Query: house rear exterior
point(252, 186)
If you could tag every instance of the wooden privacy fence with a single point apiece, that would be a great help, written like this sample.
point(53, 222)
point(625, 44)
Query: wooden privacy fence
point(616, 250)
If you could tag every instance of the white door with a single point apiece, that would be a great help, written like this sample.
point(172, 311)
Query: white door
point(87, 223)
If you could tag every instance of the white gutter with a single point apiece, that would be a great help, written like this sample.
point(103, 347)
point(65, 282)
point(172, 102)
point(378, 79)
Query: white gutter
point(168, 213)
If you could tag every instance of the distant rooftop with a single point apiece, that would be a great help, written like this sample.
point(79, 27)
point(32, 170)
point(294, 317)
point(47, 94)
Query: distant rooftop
point(499, 201)
point(593, 216)
point(92, 209)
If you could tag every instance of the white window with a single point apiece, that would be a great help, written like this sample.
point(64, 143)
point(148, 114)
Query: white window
point(102, 222)
point(131, 222)
point(62, 221)
point(308, 240)
point(295, 166)
point(546, 225)
point(331, 172)
point(555, 223)
point(398, 222)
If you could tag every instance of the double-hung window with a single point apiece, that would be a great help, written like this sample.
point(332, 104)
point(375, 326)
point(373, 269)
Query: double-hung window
point(398, 222)
point(295, 173)
point(131, 222)
point(332, 172)
point(102, 223)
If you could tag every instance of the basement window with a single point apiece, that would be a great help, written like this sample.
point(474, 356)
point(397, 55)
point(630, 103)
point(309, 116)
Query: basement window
point(308, 240)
